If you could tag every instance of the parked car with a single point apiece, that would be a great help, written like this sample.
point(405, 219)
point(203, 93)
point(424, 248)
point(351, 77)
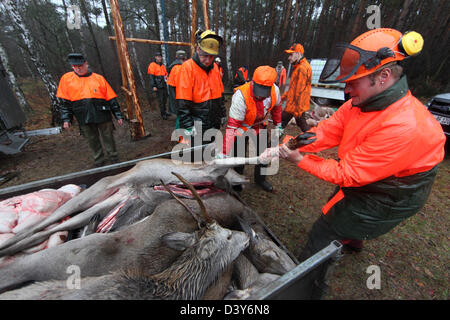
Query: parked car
point(439, 106)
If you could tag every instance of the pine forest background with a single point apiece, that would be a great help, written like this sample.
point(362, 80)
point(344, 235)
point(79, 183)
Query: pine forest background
point(35, 39)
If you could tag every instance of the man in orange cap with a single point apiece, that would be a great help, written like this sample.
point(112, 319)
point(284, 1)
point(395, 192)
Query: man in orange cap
point(299, 93)
point(389, 145)
point(250, 107)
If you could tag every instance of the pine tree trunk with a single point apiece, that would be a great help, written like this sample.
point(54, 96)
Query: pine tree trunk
point(285, 23)
point(161, 30)
point(357, 21)
point(131, 28)
point(401, 20)
point(13, 11)
point(66, 29)
point(228, 15)
point(91, 31)
point(294, 22)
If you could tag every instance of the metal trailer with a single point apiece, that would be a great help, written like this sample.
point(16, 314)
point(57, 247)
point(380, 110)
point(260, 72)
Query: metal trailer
point(324, 93)
point(294, 285)
point(11, 117)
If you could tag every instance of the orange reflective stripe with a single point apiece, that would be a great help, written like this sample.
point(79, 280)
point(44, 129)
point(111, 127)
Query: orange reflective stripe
point(337, 197)
point(73, 88)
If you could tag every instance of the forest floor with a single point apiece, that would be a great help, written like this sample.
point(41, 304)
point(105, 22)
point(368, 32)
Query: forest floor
point(413, 258)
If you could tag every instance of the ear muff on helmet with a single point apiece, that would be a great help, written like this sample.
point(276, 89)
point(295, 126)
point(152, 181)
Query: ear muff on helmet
point(411, 43)
point(198, 35)
point(368, 52)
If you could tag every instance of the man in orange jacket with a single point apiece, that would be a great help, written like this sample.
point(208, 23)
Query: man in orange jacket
point(299, 93)
point(389, 145)
point(158, 73)
point(88, 97)
point(200, 89)
point(240, 77)
point(250, 108)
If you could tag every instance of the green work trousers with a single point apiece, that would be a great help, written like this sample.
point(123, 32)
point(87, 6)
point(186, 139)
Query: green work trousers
point(92, 133)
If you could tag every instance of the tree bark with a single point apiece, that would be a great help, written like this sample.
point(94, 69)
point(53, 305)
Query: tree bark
point(13, 11)
point(285, 23)
point(401, 20)
point(357, 21)
point(66, 29)
point(85, 13)
point(131, 28)
point(13, 82)
point(228, 15)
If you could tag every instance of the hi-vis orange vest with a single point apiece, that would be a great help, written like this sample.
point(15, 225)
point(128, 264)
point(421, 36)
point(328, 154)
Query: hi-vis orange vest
point(250, 115)
point(156, 69)
point(196, 85)
point(74, 88)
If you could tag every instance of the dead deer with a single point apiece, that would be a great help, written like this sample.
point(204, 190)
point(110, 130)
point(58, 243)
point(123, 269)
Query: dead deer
point(206, 254)
point(109, 191)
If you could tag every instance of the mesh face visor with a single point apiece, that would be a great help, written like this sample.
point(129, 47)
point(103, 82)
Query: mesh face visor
point(345, 61)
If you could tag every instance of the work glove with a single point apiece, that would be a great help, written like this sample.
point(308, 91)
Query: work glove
point(301, 140)
point(190, 132)
point(220, 155)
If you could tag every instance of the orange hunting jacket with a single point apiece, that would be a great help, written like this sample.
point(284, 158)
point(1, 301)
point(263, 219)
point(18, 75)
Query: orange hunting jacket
point(299, 93)
point(387, 164)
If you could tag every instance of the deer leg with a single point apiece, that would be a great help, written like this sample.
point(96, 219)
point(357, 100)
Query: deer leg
point(73, 223)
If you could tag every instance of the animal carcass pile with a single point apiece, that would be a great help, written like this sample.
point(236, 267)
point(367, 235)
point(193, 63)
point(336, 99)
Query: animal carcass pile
point(157, 231)
point(22, 212)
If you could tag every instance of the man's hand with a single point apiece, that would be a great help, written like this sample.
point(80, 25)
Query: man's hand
point(291, 155)
point(120, 122)
point(66, 125)
point(155, 89)
point(220, 155)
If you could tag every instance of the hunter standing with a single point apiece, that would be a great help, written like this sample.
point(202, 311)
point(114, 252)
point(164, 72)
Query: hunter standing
point(158, 74)
point(200, 88)
point(172, 79)
point(299, 93)
point(250, 108)
point(88, 97)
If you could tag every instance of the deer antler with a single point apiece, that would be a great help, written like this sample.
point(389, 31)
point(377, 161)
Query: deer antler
point(196, 196)
point(194, 215)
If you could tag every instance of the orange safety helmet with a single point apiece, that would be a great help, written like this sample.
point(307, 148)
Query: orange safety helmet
point(368, 52)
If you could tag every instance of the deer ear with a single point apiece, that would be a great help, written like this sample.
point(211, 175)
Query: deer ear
point(179, 240)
